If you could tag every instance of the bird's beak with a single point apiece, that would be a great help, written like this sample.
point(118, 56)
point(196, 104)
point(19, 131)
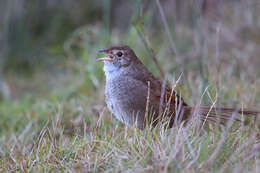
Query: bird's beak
point(105, 59)
point(108, 58)
point(102, 51)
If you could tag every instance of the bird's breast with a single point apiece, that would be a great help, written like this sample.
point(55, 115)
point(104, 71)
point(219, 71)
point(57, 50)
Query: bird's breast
point(126, 97)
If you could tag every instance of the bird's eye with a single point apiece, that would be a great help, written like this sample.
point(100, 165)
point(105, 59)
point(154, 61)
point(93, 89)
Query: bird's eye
point(119, 54)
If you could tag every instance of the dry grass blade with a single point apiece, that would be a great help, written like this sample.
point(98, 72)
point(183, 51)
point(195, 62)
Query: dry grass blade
point(150, 51)
point(167, 28)
point(169, 35)
point(220, 144)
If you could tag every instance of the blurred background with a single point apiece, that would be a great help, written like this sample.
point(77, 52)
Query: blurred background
point(48, 50)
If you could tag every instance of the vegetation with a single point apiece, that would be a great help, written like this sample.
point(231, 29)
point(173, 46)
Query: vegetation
point(52, 111)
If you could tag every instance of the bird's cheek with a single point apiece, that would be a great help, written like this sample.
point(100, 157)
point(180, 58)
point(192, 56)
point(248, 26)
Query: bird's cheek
point(125, 63)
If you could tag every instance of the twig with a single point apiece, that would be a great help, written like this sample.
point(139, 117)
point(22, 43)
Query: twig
point(166, 26)
point(150, 50)
point(147, 101)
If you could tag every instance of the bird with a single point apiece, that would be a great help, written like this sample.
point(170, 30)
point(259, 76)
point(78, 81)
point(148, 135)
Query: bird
point(137, 98)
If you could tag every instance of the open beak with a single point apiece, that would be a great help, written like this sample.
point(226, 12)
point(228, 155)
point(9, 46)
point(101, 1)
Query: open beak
point(108, 58)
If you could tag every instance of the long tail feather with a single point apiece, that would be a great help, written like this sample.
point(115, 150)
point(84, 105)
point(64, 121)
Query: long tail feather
point(219, 114)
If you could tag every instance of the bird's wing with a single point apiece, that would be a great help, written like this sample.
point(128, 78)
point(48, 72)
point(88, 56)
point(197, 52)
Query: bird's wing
point(164, 93)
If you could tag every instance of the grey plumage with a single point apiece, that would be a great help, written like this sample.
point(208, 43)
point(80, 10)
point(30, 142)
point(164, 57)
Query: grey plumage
point(127, 89)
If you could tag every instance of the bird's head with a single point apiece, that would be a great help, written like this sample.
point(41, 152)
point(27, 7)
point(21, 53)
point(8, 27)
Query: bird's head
point(117, 57)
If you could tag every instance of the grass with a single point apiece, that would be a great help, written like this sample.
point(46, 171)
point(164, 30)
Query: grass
point(69, 130)
point(58, 121)
point(74, 141)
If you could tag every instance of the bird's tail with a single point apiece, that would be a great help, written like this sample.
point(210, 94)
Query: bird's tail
point(219, 114)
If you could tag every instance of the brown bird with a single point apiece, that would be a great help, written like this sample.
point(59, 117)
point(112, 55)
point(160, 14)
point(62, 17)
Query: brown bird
point(135, 96)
